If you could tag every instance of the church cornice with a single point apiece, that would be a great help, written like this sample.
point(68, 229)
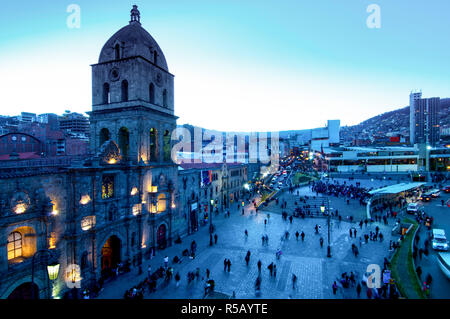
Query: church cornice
point(134, 57)
point(130, 108)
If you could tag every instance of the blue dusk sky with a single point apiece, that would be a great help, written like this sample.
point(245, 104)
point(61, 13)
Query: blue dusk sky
point(239, 65)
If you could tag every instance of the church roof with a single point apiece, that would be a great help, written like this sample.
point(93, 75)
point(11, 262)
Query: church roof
point(133, 40)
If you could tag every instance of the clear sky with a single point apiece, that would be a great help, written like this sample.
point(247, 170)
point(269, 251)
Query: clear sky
point(239, 65)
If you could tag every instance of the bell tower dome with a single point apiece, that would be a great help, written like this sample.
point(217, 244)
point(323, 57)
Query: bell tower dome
point(132, 94)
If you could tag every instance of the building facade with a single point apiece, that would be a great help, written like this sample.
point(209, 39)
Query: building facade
point(104, 212)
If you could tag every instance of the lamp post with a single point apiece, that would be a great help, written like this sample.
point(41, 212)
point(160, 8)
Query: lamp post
point(52, 269)
point(322, 209)
point(210, 216)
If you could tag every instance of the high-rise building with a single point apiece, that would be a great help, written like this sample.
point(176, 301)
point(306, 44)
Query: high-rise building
point(413, 96)
point(75, 122)
point(426, 121)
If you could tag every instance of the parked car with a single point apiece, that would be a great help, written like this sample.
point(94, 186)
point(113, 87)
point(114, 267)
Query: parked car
point(446, 189)
point(438, 240)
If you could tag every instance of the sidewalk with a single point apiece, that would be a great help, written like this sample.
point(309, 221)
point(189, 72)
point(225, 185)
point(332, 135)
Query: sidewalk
point(116, 288)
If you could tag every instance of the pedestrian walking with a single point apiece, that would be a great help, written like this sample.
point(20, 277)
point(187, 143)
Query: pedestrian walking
point(335, 287)
point(296, 235)
point(215, 238)
point(270, 267)
point(197, 273)
point(274, 270)
point(177, 279)
point(303, 236)
point(229, 265)
point(294, 281)
point(210, 239)
point(225, 264)
point(207, 273)
point(247, 258)
point(166, 261)
point(358, 290)
point(369, 293)
point(259, 266)
point(321, 242)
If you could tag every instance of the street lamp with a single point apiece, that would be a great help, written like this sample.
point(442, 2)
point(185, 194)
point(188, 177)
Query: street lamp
point(52, 269)
point(210, 216)
point(322, 209)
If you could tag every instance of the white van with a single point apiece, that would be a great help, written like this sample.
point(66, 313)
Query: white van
point(413, 208)
point(438, 240)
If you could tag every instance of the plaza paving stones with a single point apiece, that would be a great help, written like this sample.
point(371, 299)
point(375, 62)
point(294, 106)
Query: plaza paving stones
point(307, 260)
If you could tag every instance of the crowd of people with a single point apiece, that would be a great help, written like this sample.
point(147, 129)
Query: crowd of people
point(341, 190)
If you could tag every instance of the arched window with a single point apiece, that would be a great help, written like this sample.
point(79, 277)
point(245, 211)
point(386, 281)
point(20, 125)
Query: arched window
point(104, 136)
point(106, 94)
point(165, 98)
point(117, 51)
point(151, 93)
point(14, 245)
point(161, 203)
point(166, 146)
point(124, 90)
point(124, 141)
point(153, 145)
point(155, 57)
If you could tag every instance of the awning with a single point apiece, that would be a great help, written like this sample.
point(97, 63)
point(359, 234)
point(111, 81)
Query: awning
point(396, 189)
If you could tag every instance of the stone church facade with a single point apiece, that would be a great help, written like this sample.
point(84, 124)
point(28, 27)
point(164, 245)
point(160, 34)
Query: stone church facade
point(116, 207)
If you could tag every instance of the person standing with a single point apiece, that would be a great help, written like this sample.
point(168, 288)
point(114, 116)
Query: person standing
point(177, 279)
point(335, 287)
point(270, 267)
point(294, 281)
point(166, 261)
point(210, 239)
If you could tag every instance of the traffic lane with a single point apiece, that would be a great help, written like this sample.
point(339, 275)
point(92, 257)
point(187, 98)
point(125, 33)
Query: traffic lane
point(441, 219)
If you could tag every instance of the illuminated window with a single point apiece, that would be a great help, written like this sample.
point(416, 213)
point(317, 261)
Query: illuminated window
point(52, 241)
point(161, 203)
point(14, 245)
point(107, 186)
point(88, 222)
